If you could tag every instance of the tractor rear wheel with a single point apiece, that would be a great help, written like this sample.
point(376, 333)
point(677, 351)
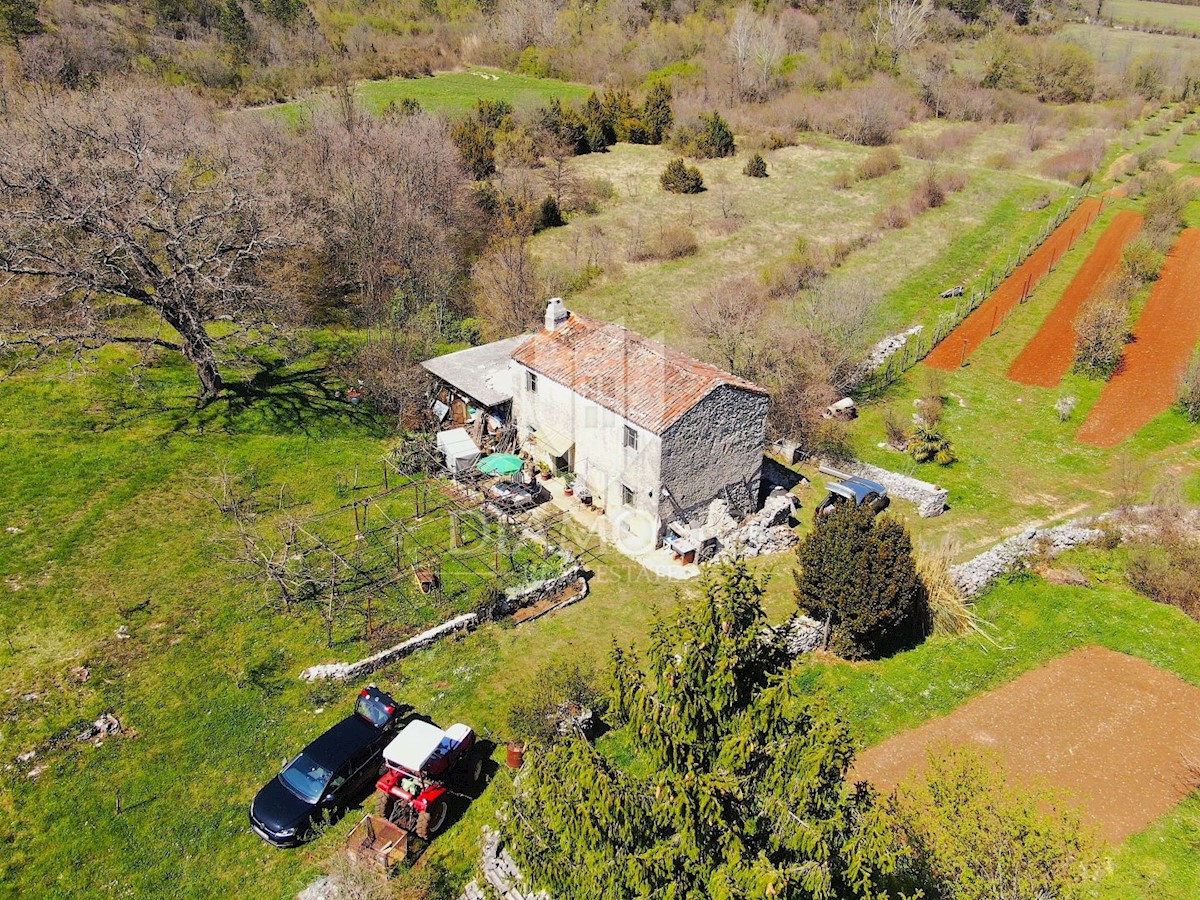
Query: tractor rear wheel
point(475, 768)
point(384, 804)
point(430, 821)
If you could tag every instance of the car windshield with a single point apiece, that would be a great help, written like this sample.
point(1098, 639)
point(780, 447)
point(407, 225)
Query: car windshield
point(306, 778)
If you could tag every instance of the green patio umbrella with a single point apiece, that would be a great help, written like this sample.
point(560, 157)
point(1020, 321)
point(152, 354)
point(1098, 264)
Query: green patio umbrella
point(501, 464)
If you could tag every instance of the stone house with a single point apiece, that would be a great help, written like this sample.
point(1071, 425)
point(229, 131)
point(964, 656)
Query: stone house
point(653, 434)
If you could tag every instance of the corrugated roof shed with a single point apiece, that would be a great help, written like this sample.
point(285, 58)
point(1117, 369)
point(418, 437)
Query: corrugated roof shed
point(480, 372)
point(637, 378)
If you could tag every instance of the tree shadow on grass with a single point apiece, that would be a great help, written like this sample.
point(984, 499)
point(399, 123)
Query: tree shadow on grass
point(285, 400)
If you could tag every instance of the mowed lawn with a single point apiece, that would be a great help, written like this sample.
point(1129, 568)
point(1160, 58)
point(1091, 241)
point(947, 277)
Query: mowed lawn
point(1178, 16)
point(449, 92)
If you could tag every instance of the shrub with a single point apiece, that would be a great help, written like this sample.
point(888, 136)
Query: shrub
point(802, 268)
point(550, 216)
point(881, 162)
point(708, 138)
point(965, 832)
point(947, 610)
point(895, 427)
point(549, 700)
point(895, 216)
point(857, 571)
point(680, 178)
point(843, 179)
point(1141, 262)
point(1165, 564)
point(1101, 331)
point(756, 167)
point(1077, 163)
point(927, 444)
point(1189, 390)
point(1065, 406)
point(672, 242)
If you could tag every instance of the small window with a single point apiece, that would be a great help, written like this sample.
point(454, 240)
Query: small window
point(630, 438)
point(626, 496)
point(531, 382)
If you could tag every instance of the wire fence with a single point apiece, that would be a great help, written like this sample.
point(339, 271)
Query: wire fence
point(920, 345)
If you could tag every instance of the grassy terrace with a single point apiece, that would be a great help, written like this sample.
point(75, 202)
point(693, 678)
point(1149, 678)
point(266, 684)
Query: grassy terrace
point(450, 92)
point(1177, 16)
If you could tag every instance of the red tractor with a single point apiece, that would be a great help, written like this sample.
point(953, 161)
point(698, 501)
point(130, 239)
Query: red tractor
point(424, 763)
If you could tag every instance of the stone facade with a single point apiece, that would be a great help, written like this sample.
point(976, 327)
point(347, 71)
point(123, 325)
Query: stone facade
point(714, 450)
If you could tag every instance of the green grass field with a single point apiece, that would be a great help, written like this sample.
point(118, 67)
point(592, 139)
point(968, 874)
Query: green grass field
point(104, 523)
point(449, 92)
point(1155, 15)
point(1117, 49)
point(745, 225)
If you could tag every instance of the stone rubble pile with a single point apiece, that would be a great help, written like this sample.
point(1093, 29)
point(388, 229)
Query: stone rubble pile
point(767, 531)
point(105, 726)
point(500, 874)
point(930, 499)
point(802, 635)
point(885, 349)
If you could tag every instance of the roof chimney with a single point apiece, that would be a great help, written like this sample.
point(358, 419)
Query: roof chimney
point(556, 313)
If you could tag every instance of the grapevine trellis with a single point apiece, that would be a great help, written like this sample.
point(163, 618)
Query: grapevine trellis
point(419, 542)
point(917, 347)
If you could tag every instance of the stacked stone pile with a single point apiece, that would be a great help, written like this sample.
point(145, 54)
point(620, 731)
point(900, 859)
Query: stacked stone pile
point(974, 576)
point(500, 874)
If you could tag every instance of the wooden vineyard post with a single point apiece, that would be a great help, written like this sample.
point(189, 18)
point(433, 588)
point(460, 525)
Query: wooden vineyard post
point(332, 600)
point(962, 362)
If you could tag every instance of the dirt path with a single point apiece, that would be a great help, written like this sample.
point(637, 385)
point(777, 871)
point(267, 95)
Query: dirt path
point(1163, 340)
point(1120, 737)
point(1047, 358)
point(967, 337)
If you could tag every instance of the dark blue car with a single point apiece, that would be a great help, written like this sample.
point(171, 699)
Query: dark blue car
point(328, 776)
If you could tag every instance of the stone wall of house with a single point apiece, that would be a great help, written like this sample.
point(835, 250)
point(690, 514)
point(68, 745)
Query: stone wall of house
point(601, 459)
point(715, 451)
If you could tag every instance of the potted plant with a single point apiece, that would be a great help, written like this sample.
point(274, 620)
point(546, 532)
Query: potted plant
point(569, 479)
point(544, 469)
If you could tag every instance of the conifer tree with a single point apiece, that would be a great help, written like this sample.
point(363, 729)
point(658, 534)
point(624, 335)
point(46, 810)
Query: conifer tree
point(738, 784)
point(18, 19)
point(857, 572)
point(657, 114)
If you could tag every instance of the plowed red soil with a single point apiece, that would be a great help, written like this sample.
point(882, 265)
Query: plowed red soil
point(1047, 358)
point(967, 337)
point(1164, 337)
point(1115, 734)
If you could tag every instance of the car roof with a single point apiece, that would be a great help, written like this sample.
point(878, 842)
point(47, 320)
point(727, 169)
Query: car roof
point(341, 742)
point(856, 488)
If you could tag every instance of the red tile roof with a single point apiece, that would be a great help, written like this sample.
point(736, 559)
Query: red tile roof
point(635, 377)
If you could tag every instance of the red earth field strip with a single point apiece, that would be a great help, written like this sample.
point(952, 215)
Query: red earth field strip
point(1164, 337)
point(1047, 358)
point(975, 329)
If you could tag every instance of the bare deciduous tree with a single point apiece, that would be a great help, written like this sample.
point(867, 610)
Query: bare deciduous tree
point(839, 316)
point(757, 44)
point(136, 193)
point(390, 202)
point(509, 289)
point(899, 25)
point(729, 318)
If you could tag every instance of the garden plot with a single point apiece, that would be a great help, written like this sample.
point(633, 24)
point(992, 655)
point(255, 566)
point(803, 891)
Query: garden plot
point(1047, 358)
point(952, 352)
point(1120, 737)
point(1164, 337)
